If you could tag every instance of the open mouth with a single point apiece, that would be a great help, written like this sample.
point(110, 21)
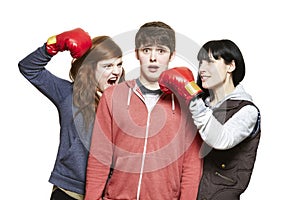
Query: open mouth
point(112, 81)
point(153, 68)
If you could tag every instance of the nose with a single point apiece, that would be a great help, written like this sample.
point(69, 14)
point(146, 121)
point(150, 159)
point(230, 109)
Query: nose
point(153, 56)
point(202, 68)
point(116, 69)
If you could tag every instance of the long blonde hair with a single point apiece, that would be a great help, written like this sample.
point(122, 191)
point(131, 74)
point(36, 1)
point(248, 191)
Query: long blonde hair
point(82, 73)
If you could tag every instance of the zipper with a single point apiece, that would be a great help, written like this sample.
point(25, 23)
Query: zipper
point(143, 158)
point(224, 177)
point(145, 141)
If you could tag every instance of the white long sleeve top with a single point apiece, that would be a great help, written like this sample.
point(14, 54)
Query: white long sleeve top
point(234, 131)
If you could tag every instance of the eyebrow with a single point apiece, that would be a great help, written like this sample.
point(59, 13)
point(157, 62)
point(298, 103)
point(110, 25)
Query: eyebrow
point(157, 45)
point(111, 63)
point(163, 47)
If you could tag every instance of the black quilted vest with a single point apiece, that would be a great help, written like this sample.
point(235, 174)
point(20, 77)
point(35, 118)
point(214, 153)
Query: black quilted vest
point(227, 173)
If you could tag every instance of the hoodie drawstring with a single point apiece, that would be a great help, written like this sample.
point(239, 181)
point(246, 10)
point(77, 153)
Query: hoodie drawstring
point(129, 97)
point(173, 103)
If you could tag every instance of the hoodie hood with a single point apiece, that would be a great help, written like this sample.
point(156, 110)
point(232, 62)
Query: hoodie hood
point(131, 83)
point(239, 93)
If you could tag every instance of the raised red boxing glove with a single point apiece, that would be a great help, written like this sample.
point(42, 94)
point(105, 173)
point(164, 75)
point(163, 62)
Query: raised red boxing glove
point(77, 41)
point(180, 81)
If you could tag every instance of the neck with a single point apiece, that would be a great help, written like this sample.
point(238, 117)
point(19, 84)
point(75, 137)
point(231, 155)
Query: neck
point(222, 91)
point(149, 85)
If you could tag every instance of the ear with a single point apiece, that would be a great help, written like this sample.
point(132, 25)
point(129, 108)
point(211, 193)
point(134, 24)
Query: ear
point(172, 56)
point(137, 54)
point(231, 66)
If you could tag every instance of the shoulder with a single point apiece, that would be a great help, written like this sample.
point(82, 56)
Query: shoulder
point(244, 107)
point(120, 86)
point(251, 110)
point(246, 117)
point(117, 91)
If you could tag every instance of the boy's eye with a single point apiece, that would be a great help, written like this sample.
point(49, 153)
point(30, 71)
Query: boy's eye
point(146, 50)
point(161, 51)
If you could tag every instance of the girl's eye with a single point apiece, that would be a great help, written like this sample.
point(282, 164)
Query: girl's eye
point(108, 66)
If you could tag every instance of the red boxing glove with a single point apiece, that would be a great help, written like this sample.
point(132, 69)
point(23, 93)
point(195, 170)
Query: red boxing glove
point(77, 41)
point(180, 81)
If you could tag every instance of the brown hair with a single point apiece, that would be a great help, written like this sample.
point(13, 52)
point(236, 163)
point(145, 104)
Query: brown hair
point(155, 33)
point(82, 73)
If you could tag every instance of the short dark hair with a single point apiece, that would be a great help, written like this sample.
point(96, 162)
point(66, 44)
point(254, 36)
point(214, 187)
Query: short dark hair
point(155, 32)
point(227, 50)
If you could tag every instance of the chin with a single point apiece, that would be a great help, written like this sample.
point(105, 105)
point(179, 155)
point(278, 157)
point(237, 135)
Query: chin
point(207, 87)
point(105, 87)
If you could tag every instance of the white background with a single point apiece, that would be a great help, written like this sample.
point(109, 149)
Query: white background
point(267, 32)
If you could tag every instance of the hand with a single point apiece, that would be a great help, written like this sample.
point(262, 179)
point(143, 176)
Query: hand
point(180, 81)
point(77, 41)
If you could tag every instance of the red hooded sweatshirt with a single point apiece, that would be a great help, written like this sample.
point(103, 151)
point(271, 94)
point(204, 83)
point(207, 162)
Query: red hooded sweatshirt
point(142, 153)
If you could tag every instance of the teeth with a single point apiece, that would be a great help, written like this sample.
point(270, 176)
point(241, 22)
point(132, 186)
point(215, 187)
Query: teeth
point(113, 79)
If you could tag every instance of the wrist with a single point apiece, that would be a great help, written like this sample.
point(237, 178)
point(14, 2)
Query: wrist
point(192, 88)
point(51, 46)
point(197, 106)
point(51, 40)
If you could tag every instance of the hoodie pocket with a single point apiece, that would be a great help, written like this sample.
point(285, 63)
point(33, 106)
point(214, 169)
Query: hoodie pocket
point(157, 183)
point(124, 178)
